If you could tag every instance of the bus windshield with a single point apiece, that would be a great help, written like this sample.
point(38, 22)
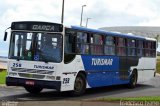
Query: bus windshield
point(36, 46)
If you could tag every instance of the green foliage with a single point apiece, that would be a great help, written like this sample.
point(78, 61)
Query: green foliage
point(158, 66)
point(145, 98)
point(3, 76)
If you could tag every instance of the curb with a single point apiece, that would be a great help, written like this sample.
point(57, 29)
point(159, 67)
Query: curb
point(157, 74)
point(3, 86)
point(67, 103)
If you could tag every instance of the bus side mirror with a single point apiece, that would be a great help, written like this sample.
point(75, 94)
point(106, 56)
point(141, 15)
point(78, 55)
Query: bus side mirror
point(5, 36)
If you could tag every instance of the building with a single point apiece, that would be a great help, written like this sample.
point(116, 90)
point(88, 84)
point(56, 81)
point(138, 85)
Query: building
point(3, 63)
point(147, 31)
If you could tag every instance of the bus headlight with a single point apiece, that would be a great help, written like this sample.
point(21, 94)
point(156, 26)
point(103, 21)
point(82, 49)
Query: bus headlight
point(50, 77)
point(12, 74)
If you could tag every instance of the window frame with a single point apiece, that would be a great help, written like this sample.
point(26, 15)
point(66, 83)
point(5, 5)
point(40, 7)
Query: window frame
point(109, 45)
point(118, 47)
point(131, 47)
point(139, 46)
point(94, 44)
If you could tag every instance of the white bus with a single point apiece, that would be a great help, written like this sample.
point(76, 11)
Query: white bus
point(49, 55)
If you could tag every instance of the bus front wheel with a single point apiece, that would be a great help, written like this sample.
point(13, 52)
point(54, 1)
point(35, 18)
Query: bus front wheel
point(33, 90)
point(133, 79)
point(80, 85)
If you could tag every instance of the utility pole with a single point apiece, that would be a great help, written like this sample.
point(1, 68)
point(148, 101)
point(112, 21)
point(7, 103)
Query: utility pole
point(82, 15)
point(62, 17)
point(87, 21)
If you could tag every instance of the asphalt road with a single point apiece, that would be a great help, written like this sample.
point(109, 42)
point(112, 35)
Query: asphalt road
point(150, 88)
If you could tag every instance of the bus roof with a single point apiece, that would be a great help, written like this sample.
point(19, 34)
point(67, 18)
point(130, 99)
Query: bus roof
point(112, 33)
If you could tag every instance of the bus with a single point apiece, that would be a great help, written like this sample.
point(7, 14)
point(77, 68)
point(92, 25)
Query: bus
point(50, 55)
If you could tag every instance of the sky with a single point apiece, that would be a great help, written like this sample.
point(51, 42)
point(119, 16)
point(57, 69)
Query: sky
point(102, 13)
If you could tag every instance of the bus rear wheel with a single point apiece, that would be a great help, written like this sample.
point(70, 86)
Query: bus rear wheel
point(133, 80)
point(33, 90)
point(80, 85)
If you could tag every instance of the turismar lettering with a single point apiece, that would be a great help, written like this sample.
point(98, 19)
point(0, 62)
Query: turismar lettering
point(43, 67)
point(98, 61)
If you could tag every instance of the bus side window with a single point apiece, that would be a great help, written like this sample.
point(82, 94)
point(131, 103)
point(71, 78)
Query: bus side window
point(131, 43)
point(149, 49)
point(109, 48)
point(139, 48)
point(69, 45)
point(67, 48)
point(146, 51)
point(121, 49)
point(153, 51)
point(70, 40)
point(82, 43)
point(97, 42)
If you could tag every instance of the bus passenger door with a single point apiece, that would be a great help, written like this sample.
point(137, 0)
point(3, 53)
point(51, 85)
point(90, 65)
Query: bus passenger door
point(121, 73)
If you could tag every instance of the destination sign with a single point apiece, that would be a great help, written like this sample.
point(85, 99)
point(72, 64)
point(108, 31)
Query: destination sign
point(43, 27)
point(37, 26)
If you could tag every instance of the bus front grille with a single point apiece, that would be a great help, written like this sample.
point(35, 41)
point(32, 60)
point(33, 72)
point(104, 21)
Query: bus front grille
point(26, 75)
point(32, 71)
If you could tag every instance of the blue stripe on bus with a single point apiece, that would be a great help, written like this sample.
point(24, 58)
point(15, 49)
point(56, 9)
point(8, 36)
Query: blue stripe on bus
point(102, 70)
point(108, 33)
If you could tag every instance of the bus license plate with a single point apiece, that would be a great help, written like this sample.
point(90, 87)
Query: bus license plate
point(30, 83)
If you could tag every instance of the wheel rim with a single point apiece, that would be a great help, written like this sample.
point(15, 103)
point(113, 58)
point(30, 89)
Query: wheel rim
point(78, 84)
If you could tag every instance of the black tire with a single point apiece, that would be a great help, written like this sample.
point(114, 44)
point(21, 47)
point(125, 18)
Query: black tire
point(133, 80)
point(79, 85)
point(33, 90)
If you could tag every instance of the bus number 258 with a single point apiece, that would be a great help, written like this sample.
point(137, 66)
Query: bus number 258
point(17, 65)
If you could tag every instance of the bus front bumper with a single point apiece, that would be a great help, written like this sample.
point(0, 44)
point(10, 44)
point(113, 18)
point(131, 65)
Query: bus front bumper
point(11, 81)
